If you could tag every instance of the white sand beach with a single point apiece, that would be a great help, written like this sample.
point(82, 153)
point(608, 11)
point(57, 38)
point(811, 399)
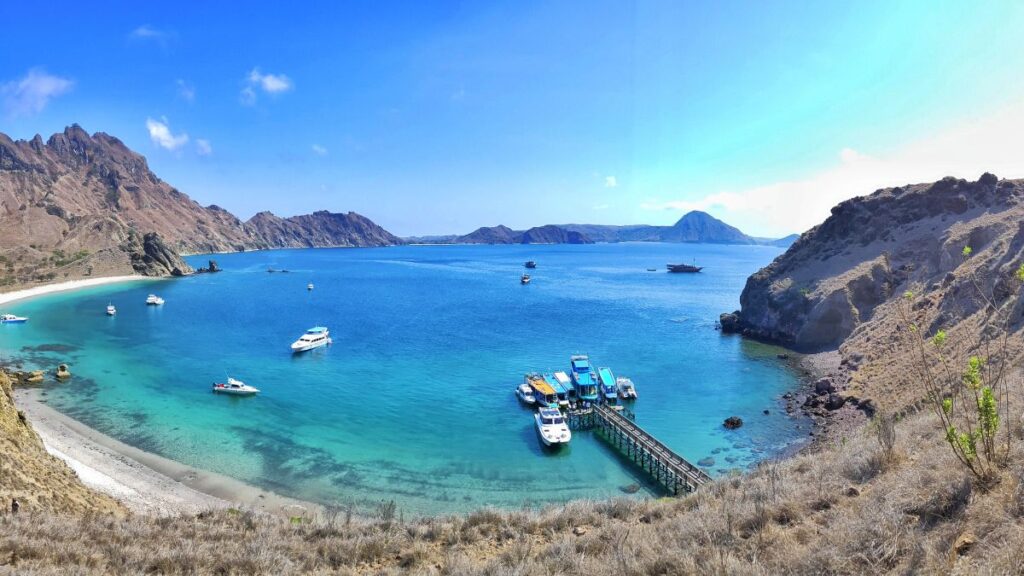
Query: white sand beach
point(8, 297)
point(145, 482)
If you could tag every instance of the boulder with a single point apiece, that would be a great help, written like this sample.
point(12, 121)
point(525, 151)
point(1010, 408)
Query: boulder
point(824, 386)
point(835, 402)
point(63, 372)
point(730, 322)
point(35, 377)
point(733, 422)
point(706, 462)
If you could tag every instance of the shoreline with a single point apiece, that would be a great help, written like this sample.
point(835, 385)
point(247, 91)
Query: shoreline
point(145, 483)
point(26, 293)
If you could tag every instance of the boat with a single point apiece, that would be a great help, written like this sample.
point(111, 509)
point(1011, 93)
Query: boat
point(552, 427)
point(543, 394)
point(684, 268)
point(561, 390)
point(111, 310)
point(652, 269)
point(309, 286)
point(626, 389)
point(525, 279)
point(583, 378)
point(563, 380)
point(235, 388)
point(154, 300)
point(12, 319)
point(525, 394)
point(609, 391)
point(530, 264)
point(313, 338)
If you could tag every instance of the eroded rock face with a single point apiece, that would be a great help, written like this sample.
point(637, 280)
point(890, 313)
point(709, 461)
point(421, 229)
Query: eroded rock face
point(151, 257)
point(872, 248)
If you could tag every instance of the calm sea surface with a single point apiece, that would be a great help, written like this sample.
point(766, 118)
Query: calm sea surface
point(414, 401)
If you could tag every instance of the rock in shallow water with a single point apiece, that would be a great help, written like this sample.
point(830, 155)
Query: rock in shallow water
point(733, 422)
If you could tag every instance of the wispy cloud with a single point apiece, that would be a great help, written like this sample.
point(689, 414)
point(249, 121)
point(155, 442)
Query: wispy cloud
point(148, 33)
point(161, 135)
point(268, 83)
point(965, 150)
point(203, 147)
point(186, 91)
point(32, 92)
point(610, 182)
point(319, 150)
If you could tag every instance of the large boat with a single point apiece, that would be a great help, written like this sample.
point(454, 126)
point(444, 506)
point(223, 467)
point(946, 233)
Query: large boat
point(12, 319)
point(583, 378)
point(154, 300)
point(561, 391)
point(543, 393)
point(530, 264)
point(525, 394)
point(564, 381)
point(235, 388)
point(525, 279)
point(626, 389)
point(313, 338)
point(111, 310)
point(609, 391)
point(552, 427)
point(684, 268)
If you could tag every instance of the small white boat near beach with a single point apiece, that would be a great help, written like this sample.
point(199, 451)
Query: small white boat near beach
point(111, 310)
point(552, 427)
point(154, 300)
point(525, 394)
point(309, 286)
point(234, 388)
point(12, 319)
point(313, 338)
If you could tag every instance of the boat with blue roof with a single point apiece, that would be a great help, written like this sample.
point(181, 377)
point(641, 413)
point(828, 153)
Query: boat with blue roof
point(583, 378)
point(561, 390)
point(313, 338)
point(609, 391)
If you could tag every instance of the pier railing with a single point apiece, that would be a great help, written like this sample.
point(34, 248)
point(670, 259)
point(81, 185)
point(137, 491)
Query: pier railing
point(668, 468)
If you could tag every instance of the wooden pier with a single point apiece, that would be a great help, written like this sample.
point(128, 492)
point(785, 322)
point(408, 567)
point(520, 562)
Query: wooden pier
point(619, 429)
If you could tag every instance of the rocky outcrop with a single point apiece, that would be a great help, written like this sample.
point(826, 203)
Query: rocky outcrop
point(321, 229)
point(499, 234)
point(151, 257)
point(552, 235)
point(694, 227)
point(835, 276)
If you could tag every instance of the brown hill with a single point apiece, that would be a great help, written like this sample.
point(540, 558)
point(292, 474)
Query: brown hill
point(80, 205)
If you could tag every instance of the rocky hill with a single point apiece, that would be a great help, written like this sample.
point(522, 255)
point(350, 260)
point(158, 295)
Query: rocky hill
point(500, 234)
point(839, 285)
point(693, 227)
point(80, 205)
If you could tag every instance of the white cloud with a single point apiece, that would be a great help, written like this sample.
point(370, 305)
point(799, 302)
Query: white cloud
point(203, 147)
point(160, 134)
point(147, 31)
point(319, 150)
point(186, 91)
point(610, 182)
point(965, 150)
point(248, 96)
point(269, 83)
point(32, 92)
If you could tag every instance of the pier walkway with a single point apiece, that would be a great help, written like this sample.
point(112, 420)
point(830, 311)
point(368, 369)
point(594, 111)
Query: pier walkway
point(618, 429)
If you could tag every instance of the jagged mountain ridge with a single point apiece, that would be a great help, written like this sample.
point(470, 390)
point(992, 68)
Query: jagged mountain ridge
point(80, 205)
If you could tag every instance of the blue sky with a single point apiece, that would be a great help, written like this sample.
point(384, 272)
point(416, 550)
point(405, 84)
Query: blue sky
point(442, 117)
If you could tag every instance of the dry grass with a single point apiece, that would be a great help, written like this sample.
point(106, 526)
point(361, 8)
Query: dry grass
point(848, 509)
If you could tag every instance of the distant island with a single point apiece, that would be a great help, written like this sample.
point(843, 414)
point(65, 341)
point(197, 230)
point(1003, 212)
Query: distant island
point(693, 227)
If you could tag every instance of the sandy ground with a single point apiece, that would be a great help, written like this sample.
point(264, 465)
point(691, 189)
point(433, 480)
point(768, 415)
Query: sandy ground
point(144, 482)
point(64, 286)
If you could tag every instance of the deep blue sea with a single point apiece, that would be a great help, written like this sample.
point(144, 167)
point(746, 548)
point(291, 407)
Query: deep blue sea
point(414, 400)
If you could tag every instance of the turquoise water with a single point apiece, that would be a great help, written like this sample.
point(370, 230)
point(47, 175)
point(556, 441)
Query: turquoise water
point(414, 400)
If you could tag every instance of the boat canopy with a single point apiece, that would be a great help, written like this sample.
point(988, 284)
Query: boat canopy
point(607, 379)
point(550, 413)
point(580, 364)
point(316, 330)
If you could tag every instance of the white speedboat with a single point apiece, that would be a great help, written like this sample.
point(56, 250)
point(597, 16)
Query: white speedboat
point(111, 310)
point(525, 394)
point(309, 286)
point(154, 300)
point(626, 389)
point(525, 279)
point(552, 427)
point(12, 319)
point(235, 388)
point(313, 338)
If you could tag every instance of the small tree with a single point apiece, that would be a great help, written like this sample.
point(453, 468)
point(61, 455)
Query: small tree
point(965, 383)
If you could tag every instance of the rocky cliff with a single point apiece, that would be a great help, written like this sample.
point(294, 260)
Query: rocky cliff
point(838, 285)
point(549, 234)
point(694, 227)
point(80, 205)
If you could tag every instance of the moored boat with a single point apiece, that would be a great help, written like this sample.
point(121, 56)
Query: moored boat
point(235, 388)
point(543, 393)
point(609, 391)
point(525, 279)
point(530, 264)
point(111, 310)
point(313, 338)
point(564, 381)
point(154, 300)
point(551, 427)
point(684, 268)
point(627, 391)
point(525, 394)
point(583, 379)
point(12, 319)
point(561, 391)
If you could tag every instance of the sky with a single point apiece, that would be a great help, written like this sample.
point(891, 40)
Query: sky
point(438, 118)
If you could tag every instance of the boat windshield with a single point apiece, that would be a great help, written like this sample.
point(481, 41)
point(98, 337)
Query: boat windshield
point(552, 419)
